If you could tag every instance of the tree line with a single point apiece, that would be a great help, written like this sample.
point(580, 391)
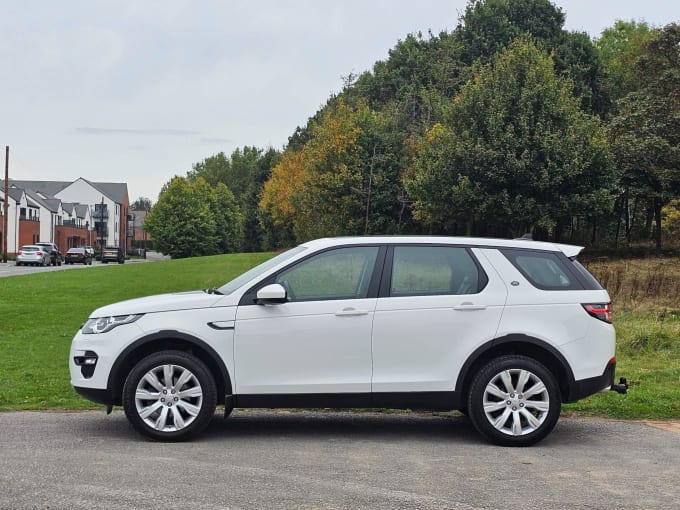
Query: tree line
point(505, 125)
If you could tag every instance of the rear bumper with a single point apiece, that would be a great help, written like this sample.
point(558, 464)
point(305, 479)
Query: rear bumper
point(592, 385)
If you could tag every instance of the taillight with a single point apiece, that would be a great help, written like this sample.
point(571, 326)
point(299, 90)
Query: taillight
point(602, 311)
point(39, 253)
point(19, 252)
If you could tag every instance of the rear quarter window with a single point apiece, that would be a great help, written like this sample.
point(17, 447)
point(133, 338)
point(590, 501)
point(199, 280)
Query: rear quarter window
point(544, 270)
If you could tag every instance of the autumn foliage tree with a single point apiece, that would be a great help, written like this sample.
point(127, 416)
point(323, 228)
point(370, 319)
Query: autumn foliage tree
point(344, 180)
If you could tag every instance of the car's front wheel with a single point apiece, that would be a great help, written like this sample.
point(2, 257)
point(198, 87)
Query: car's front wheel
point(170, 396)
point(514, 401)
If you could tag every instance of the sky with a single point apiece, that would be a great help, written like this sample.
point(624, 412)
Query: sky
point(138, 91)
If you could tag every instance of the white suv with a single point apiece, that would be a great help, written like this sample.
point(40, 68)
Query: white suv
point(504, 331)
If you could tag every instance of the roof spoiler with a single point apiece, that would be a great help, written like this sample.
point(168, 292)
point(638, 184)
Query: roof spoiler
point(569, 250)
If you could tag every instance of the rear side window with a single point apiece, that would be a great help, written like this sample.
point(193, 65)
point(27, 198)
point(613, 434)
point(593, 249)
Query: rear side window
point(544, 270)
point(588, 279)
point(434, 270)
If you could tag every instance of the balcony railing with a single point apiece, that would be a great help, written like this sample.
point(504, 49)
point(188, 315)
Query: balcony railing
point(97, 213)
point(71, 223)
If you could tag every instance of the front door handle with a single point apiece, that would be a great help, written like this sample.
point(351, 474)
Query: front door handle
point(348, 312)
point(469, 307)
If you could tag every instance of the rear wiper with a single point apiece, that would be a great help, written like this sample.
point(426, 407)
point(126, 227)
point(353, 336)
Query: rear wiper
point(213, 290)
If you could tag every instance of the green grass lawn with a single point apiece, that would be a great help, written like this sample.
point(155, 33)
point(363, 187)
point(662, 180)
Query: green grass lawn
point(648, 355)
point(40, 313)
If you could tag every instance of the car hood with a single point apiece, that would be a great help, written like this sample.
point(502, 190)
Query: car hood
point(164, 303)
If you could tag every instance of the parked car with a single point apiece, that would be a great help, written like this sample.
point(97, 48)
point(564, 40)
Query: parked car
point(78, 256)
point(33, 255)
point(504, 331)
point(56, 258)
point(110, 254)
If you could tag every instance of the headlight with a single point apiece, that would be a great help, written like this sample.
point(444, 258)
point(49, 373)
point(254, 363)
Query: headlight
point(104, 324)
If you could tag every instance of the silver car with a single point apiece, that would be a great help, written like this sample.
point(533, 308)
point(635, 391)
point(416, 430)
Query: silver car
point(31, 254)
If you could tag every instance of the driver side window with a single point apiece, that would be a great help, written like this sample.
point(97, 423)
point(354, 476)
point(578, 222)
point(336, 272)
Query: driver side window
point(343, 273)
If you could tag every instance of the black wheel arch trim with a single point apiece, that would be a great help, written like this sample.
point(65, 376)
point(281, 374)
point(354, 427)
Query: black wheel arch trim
point(114, 386)
point(515, 338)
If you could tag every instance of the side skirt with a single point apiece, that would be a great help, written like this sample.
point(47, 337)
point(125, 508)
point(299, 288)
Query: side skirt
point(431, 400)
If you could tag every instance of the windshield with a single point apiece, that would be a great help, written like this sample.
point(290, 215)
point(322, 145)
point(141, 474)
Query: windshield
point(253, 273)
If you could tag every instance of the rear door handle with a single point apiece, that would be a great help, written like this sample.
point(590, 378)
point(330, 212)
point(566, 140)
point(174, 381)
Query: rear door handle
point(348, 312)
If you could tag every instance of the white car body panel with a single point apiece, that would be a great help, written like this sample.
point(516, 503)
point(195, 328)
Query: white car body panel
point(311, 347)
point(421, 342)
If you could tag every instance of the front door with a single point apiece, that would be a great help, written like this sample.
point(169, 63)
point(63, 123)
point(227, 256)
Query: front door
point(319, 341)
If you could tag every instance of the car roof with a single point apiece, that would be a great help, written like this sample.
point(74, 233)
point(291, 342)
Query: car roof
point(30, 246)
point(481, 242)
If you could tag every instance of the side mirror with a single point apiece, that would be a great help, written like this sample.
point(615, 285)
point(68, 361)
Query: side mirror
point(271, 295)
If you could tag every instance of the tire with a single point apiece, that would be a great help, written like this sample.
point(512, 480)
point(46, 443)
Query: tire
point(44, 263)
point(514, 401)
point(153, 415)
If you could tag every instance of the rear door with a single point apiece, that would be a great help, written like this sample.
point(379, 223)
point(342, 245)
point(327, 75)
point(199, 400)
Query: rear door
point(437, 304)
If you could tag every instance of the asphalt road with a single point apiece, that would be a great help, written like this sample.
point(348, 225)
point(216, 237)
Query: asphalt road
point(11, 269)
point(303, 460)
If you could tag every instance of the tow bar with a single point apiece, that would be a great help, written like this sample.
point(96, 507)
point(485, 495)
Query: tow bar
point(622, 387)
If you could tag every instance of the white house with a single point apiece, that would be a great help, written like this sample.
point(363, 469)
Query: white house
point(68, 213)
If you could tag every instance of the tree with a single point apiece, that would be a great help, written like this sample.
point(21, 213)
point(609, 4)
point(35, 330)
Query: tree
point(645, 135)
point(488, 27)
point(244, 173)
point(343, 181)
point(193, 218)
point(141, 204)
point(620, 47)
point(515, 153)
point(213, 169)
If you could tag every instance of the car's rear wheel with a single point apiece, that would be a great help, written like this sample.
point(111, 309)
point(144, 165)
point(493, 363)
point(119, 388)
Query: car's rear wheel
point(170, 396)
point(514, 401)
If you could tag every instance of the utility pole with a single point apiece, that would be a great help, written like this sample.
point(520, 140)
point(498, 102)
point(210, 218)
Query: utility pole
point(103, 229)
point(4, 218)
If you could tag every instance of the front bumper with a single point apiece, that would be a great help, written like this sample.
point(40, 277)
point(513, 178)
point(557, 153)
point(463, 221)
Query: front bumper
point(99, 396)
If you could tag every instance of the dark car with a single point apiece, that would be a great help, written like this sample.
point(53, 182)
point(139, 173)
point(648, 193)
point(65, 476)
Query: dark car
point(113, 255)
point(56, 258)
point(78, 256)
